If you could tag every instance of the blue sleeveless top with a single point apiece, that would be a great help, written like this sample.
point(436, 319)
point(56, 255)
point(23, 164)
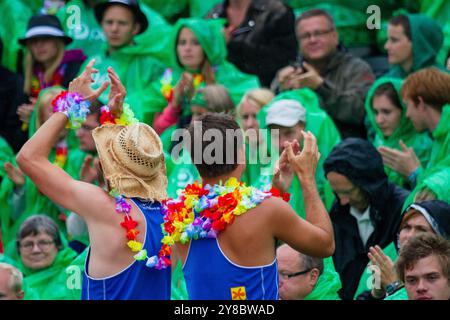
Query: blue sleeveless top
point(137, 281)
point(210, 275)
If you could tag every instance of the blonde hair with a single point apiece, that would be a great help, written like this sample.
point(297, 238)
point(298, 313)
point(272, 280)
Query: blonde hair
point(16, 280)
point(259, 96)
point(48, 74)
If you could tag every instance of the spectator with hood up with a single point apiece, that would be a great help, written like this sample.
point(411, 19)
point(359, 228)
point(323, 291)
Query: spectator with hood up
point(367, 210)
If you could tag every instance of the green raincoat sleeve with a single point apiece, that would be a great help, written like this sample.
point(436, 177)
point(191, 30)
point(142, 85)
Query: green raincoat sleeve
point(13, 26)
point(427, 39)
point(328, 285)
point(78, 22)
point(420, 142)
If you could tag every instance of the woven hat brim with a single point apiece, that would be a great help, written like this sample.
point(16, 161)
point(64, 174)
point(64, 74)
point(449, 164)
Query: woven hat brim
point(121, 179)
point(65, 39)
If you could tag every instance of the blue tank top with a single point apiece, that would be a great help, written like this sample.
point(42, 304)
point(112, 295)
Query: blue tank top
point(210, 275)
point(137, 281)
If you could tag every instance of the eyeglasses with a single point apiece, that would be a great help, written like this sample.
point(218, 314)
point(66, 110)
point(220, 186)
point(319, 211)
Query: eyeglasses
point(286, 276)
point(44, 245)
point(315, 34)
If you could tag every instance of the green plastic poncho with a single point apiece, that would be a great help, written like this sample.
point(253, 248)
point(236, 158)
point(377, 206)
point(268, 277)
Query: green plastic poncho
point(366, 280)
point(398, 295)
point(137, 65)
point(35, 202)
point(420, 142)
point(79, 23)
point(13, 26)
point(209, 35)
point(439, 10)
point(323, 128)
point(427, 40)
point(350, 17)
point(200, 8)
point(328, 285)
point(6, 155)
point(169, 9)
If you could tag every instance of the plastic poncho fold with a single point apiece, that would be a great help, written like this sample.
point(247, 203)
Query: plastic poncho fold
point(420, 142)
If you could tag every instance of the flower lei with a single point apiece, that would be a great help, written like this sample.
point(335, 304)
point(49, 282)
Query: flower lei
point(126, 118)
point(167, 87)
point(73, 106)
point(61, 154)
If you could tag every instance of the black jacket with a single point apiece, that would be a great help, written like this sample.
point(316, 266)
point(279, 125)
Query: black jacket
point(11, 96)
point(265, 41)
point(361, 163)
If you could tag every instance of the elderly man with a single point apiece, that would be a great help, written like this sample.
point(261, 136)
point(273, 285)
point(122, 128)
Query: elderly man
point(340, 79)
point(10, 282)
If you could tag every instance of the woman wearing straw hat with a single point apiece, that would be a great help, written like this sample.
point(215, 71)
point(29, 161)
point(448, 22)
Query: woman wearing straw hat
point(117, 267)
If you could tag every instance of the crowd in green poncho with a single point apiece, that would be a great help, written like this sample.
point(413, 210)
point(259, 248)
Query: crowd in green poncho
point(150, 69)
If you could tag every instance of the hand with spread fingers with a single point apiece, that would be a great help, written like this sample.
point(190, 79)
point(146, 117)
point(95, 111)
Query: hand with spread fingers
point(386, 270)
point(117, 93)
point(82, 84)
point(404, 162)
point(304, 163)
point(184, 87)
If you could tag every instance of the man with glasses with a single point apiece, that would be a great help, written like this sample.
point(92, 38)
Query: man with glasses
point(303, 277)
point(340, 80)
point(367, 210)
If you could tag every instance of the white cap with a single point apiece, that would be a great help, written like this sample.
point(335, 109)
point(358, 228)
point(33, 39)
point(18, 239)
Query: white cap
point(285, 113)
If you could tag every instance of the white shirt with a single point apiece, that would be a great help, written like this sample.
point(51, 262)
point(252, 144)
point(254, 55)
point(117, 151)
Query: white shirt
point(365, 225)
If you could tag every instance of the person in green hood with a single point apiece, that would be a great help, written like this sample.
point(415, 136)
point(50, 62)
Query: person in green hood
point(414, 40)
point(315, 280)
point(386, 112)
point(132, 50)
point(427, 96)
point(198, 52)
point(19, 197)
point(42, 257)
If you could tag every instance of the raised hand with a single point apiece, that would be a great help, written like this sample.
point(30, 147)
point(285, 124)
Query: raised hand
point(386, 269)
point(116, 94)
point(304, 163)
point(14, 174)
point(283, 175)
point(82, 83)
point(184, 87)
point(404, 162)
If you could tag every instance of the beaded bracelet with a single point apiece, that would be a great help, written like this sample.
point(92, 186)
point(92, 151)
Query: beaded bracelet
point(73, 105)
point(126, 118)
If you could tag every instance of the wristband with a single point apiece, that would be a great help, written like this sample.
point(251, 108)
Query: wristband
point(73, 105)
point(126, 118)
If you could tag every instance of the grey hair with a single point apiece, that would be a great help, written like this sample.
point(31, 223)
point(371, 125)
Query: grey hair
point(315, 13)
point(36, 224)
point(308, 263)
point(16, 279)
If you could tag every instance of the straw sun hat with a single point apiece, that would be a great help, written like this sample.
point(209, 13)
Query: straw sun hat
point(132, 160)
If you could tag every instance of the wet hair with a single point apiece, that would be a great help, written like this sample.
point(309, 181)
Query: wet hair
point(36, 224)
point(431, 84)
point(231, 144)
point(388, 90)
point(402, 20)
point(423, 246)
